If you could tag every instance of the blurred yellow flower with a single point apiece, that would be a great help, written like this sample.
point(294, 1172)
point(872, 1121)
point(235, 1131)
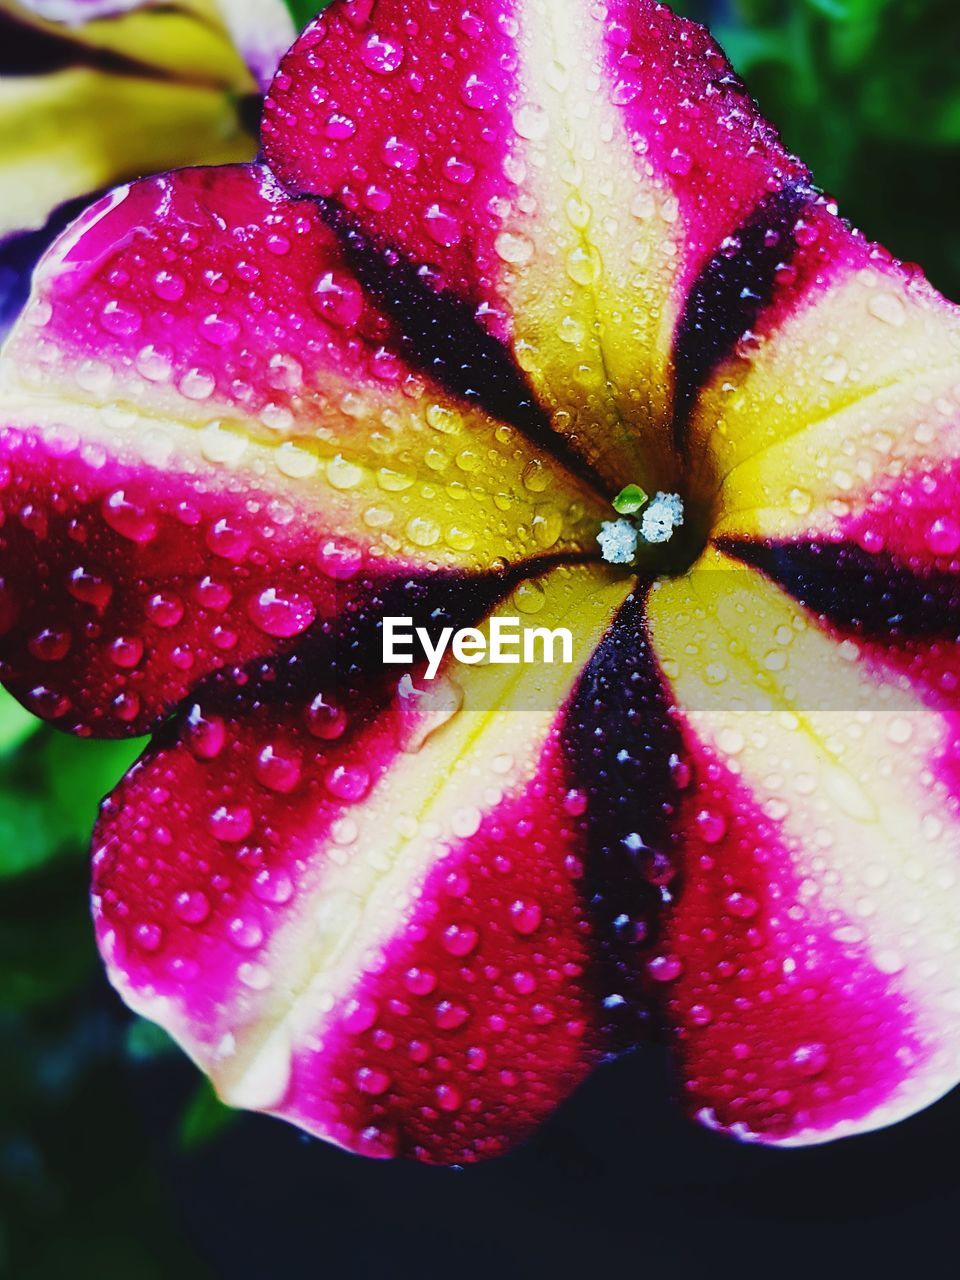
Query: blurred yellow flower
point(94, 92)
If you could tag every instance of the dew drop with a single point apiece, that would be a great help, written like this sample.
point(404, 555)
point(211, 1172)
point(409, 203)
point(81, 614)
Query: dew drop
point(153, 364)
point(372, 1080)
point(525, 917)
point(281, 614)
point(448, 1097)
point(278, 768)
point(120, 320)
point(665, 968)
point(459, 940)
point(127, 518)
point(400, 155)
point(711, 825)
point(742, 905)
point(422, 710)
point(169, 286)
point(272, 886)
point(442, 226)
point(148, 937)
point(382, 55)
point(230, 825)
point(517, 250)
point(575, 802)
point(420, 982)
point(478, 95)
point(338, 300)
point(888, 308)
point(449, 1016)
point(529, 597)
point(810, 1059)
point(245, 932)
point(325, 720)
point(942, 536)
point(192, 906)
point(197, 384)
point(834, 369)
point(359, 1015)
point(164, 609)
point(90, 588)
point(348, 782)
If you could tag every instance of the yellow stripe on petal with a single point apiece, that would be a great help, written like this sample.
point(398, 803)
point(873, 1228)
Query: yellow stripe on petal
point(486, 507)
point(854, 385)
point(589, 250)
point(256, 349)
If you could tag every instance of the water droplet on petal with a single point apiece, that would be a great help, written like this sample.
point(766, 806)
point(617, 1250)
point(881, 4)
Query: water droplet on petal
point(272, 886)
point(281, 614)
point(460, 940)
point(128, 518)
point(278, 768)
point(888, 308)
point(231, 825)
point(525, 916)
point(192, 906)
point(382, 54)
point(943, 536)
point(372, 1081)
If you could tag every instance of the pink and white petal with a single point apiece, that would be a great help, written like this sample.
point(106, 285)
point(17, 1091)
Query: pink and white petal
point(361, 912)
point(212, 440)
point(568, 170)
point(809, 967)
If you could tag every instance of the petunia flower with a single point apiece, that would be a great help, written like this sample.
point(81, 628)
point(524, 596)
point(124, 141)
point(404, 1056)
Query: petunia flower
point(510, 277)
point(98, 91)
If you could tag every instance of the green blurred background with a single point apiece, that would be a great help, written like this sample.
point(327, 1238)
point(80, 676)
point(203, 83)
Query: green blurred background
point(868, 91)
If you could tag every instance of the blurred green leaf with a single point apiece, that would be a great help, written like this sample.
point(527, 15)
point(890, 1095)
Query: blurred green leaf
point(30, 832)
point(46, 944)
point(205, 1117)
point(79, 1188)
point(145, 1041)
point(50, 789)
point(836, 9)
point(867, 92)
point(304, 11)
point(80, 773)
point(746, 47)
point(16, 724)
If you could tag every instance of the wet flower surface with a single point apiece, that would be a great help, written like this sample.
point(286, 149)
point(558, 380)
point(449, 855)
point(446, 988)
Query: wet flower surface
point(502, 273)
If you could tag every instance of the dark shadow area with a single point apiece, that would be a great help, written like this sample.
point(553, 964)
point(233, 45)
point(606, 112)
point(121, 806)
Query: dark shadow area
point(618, 1183)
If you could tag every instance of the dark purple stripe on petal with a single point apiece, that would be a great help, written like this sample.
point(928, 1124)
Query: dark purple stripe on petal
point(627, 758)
point(729, 294)
point(26, 50)
point(443, 337)
point(876, 595)
point(20, 253)
point(347, 654)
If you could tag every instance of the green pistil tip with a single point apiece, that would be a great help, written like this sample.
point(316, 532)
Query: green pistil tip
point(629, 500)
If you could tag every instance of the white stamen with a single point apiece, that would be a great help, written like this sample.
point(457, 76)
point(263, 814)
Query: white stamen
point(618, 541)
point(661, 517)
